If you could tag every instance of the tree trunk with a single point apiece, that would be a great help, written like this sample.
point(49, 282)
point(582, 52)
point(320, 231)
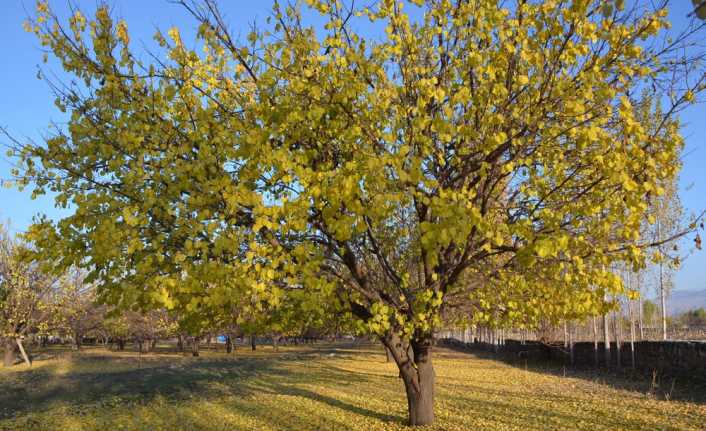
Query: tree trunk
point(420, 400)
point(153, 344)
point(22, 351)
point(663, 298)
point(631, 305)
point(606, 340)
point(618, 333)
point(77, 341)
point(595, 342)
point(566, 336)
point(195, 346)
point(388, 355)
point(571, 344)
point(417, 373)
point(229, 344)
point(252, 342)
point(275, 341)
point(180, 343)
point(9, 356)
point(639, 311)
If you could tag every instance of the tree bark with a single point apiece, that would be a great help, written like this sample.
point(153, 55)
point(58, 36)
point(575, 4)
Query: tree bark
point(229, 344)
point(566, 336)
point(631, 305)
point(252, 342)
point(421, 400)
point(571, 345)
point(639, 311)
point(180, 343)
point(77, 341)
point(9, 356)
point(618, 333)
point(275, 343)
point(195, 346)
point(22, 351)
point(417, 373)
point(595, 342)
point(606, 340)
point(663, 298)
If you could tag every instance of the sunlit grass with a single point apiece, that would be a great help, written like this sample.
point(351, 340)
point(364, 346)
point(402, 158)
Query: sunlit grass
point(317, 388)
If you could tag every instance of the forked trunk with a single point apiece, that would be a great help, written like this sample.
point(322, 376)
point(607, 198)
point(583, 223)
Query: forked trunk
point(420, 401)
point(417, 372)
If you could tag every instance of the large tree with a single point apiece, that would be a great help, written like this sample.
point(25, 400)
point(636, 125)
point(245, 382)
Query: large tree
point(481, 154)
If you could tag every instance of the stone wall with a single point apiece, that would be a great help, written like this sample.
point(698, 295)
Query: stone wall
point(666, 357)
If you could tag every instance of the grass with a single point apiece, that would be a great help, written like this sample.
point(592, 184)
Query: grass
point(327, 387)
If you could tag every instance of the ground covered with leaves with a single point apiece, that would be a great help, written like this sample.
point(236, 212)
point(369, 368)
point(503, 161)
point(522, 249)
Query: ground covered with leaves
point(326, 387)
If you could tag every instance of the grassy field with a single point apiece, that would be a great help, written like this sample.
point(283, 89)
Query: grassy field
point(327, 387)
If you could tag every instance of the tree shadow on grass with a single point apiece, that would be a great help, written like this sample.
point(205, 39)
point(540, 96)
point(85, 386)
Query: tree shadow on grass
point(677, 388)
point(92, 381)
point(332, 402)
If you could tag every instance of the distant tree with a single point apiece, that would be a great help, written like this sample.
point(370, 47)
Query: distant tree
point(693, 317)
point(146, 328)
point(77, 311)
point(25, 292)
point(117, 329)
point(665, 215)
point(650, 311)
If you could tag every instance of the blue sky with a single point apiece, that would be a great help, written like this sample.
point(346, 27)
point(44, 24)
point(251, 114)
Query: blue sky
point(26, 104)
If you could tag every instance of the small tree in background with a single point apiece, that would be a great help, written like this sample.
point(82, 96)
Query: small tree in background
point(76, 310)
point(25, 297)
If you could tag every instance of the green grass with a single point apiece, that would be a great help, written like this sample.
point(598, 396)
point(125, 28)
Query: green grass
point(327, 387)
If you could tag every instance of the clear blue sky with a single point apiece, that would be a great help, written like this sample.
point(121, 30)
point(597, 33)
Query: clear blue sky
point(26, 105)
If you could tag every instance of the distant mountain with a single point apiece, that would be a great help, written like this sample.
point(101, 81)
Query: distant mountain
point(685, 300)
